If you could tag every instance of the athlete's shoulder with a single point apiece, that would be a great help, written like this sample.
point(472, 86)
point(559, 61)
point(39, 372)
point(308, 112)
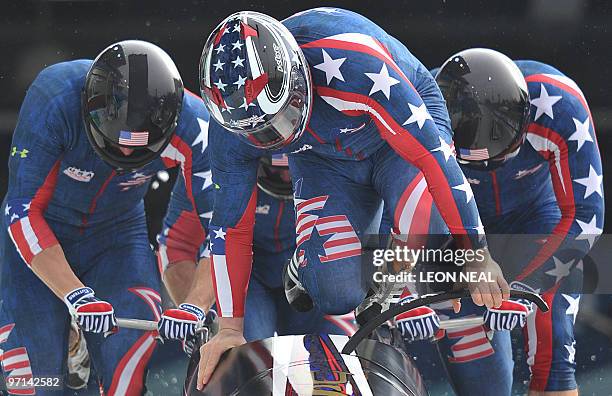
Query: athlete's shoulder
point(324, 22)
point(65, 78)
point(194, 119)
point(532, 67)
point(557, 102)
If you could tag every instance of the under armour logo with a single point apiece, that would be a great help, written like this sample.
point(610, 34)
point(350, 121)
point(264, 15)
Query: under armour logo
point(22, 153)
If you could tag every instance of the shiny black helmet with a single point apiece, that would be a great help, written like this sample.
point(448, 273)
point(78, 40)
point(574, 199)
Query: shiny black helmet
point(255, 80)
point(273, 176)
point(131, 99)
point(488, 104)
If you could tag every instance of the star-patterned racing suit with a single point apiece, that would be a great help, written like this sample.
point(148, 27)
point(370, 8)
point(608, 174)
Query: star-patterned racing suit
point(267, 310)
point(61, 192)
point(379, 130)
point(552, 189)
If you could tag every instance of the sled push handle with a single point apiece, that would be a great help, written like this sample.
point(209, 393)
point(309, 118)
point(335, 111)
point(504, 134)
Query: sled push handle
point(367, 328)
point(137, 324)
point(205, 332)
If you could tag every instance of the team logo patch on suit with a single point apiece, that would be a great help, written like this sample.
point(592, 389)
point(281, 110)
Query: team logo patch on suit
point(78, 174)
point(23, 153)
point(303, 148)
point(262, 209)
point(136, 179)
point(526, 172)
point(352, 130)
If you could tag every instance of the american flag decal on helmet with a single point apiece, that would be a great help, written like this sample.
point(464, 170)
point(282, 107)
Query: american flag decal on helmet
point(230, 83)
point(474, 154)
point(133, 138)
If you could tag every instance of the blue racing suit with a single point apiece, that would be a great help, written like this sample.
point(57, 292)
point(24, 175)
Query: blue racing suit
point(552, 189)
point(267, 309)
point(61, 192)
point(378, 119)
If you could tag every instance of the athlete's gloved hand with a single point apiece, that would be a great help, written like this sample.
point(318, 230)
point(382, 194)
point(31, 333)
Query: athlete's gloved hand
point(92, 314)
point(417, 324)
point(508, 315)
point(190, 343)
point(180, 323)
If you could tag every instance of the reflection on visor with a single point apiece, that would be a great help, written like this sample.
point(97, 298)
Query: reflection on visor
point(288, 124)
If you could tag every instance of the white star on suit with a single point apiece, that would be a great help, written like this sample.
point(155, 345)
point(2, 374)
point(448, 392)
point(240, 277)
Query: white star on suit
point(238, 62)
point(26, 206)
point(331, 67)
point(207, 215)
point(227, 108)
point(544, 103)
point(220, 85)
point(7, 210)
point(465, 187)
point(207, 176)
point(590, 232)
point(13, 217)
point(581, 135)
point(219, 233)
point(382, 81)
point(419, 115)
point(246, 105)
point(240, 82)
point(237, 45)
point(220, 48)
point(203, 135)
point(445, 148)
point(573, 305)
point(218, 65)
point(592, 183)
point(236, 28)
point(571, 350)
point(561, 269)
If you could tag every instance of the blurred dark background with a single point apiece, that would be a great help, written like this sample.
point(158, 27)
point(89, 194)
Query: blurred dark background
point(572, 35)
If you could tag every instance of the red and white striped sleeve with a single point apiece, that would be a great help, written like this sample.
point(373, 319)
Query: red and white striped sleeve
point(34, 163)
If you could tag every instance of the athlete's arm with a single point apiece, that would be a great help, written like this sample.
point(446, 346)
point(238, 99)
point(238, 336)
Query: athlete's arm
point(179, 243)
point(405, 122)
point(575, 166)
point(234, 171)
point(36, 151)
point(421, 138)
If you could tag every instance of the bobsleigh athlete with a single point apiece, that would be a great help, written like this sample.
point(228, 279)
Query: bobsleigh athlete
point(362, 120)
point(525, 139)
point(73, 241)
point(267, 311)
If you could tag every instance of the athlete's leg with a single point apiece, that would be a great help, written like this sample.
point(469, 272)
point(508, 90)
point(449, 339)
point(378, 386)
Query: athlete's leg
point(312, 322)
point(467, 354)
point(34, 326)
point(470, 356)
point(549, 336)
point(409, 207)
point(127, 276)
point(260, 318)
point(334, 202)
